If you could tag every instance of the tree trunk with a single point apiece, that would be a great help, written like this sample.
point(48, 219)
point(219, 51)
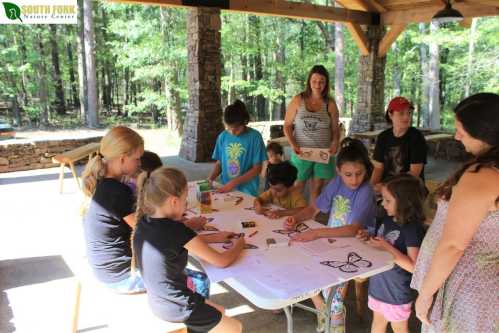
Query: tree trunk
point(60, 103)
point(82, 67)
point(126, 94)
point(42, 80)
point(72, 77)
point(89, 42)
point(280, 107)
point(24, 76)
point(425, 81)
point(471, 50)
point(106, 69)
point(339, 65)
point(434, 76)
point(397, 77)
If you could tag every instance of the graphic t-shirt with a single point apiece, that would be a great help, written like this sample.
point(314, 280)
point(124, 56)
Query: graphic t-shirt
point(398, 153)
point(161, 259)
point(238, 154)
point(107, 235)
point(393, 286)
point(294, 199)
point(345, 205)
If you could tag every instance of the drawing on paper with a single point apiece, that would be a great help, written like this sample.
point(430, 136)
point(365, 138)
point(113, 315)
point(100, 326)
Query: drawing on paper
point(352, 265)
point(300, 227)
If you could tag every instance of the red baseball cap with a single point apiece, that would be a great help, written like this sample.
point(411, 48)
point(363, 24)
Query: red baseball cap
point(398, 104)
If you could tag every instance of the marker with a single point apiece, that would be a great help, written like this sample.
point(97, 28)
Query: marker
point(253, 233)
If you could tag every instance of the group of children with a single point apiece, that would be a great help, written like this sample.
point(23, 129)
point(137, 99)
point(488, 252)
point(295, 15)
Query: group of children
point(143, 217)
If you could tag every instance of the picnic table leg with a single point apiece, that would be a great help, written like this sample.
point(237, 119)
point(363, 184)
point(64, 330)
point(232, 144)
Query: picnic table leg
point(61, 177)
point(289, 318)
point(73, 171)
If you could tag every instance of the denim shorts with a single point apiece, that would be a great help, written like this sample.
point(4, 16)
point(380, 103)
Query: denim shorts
point(198, 282)
point(131, 285)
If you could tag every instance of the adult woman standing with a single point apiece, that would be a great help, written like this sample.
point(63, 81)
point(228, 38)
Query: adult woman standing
point(459, 258)
point(401, 148)
point(314, 115)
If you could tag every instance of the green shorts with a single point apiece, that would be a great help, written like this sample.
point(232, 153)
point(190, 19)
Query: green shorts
point(307, 169)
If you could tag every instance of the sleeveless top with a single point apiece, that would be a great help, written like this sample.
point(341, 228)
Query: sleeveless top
point(312, 129)
point(468, 301)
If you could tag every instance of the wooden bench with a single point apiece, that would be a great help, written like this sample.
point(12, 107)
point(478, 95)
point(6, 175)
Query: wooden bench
point(70, 157)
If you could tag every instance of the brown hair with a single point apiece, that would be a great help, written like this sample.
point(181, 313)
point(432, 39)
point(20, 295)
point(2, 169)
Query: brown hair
point(118, 141)
point(153, 188)
point(410, 193)
point(479, 115)
point(321, 70)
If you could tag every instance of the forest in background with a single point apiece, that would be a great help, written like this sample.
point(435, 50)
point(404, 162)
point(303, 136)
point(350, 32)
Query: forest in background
point(141, 66)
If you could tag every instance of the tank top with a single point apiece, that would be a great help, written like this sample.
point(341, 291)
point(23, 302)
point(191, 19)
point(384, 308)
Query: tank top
point(312, 129)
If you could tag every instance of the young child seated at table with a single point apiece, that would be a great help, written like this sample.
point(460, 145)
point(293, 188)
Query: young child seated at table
point(149, 162)
point(281, 178)
point(275, 154)
point(110, 215)
point(349, 200)
point(239, 153)
point(400, 233)
point(161, 245)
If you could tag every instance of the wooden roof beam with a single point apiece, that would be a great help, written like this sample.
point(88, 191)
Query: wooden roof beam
point(359, 37)
point(364, 5)
point(493, 3)
point(296, 10)
point(424, 14)
point(389, 38)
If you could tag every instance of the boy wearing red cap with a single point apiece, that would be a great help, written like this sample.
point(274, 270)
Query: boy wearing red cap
point(401, 148)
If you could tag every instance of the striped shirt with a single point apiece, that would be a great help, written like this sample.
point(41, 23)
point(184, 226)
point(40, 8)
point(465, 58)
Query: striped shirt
point(312, 129)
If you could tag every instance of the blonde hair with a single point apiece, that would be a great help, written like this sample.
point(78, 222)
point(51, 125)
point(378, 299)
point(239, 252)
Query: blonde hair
point(118, 141)
point(153, 188)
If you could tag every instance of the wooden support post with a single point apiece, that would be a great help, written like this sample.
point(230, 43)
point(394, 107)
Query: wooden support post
point(389, 38)
point(359, 37)
point(466, 23)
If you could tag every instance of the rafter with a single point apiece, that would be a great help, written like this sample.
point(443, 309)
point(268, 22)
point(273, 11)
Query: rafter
point(389, 38)
point(424, 14)
point(359, 37)
point(275, 8)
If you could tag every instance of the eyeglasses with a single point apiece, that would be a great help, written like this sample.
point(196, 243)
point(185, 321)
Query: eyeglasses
point(300, 227)
point(352, 265)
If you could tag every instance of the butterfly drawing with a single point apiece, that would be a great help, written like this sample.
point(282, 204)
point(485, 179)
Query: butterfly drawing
point(352, 265)
point(300, 227)
point(390, 237)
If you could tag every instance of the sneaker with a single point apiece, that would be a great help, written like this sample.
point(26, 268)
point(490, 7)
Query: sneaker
point(338, 323)
point(321, 319)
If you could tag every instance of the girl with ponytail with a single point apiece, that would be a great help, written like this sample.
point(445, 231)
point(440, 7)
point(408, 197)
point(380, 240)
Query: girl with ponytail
point(110, 216)
point(162, 243)
point(349, 201)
